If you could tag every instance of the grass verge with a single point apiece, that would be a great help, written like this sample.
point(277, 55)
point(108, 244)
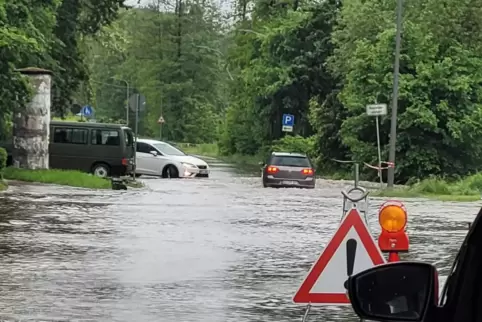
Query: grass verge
point(3, 185)
point(204, 149)
point(61, 177)
point(466, 189)
point(211, 150)
point(408, 193)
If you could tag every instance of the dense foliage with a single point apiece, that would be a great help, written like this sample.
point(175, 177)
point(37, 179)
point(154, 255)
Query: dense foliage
point(46, 34)
point(228, 77)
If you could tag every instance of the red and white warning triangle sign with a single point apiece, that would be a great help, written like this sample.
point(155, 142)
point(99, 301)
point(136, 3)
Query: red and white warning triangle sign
point(351, 250)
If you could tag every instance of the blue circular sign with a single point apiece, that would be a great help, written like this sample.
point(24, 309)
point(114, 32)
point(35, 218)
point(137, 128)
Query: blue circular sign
point(86, 110)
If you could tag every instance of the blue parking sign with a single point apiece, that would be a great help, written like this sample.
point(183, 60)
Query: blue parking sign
point(288, 120)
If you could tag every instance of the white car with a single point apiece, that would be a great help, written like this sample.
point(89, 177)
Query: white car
point(157, 158)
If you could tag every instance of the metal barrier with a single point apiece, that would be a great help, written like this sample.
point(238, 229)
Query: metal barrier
point(387, 166)
point(360, 202)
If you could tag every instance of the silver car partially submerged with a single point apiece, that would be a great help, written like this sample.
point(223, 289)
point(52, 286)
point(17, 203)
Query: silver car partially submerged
point(288, 170)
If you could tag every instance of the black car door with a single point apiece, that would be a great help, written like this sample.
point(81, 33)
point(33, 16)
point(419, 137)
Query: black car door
point(462, 299)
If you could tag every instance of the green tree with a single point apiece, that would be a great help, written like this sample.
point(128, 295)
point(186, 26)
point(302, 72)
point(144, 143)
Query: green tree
point(46, 34)
point(75, 19)
point(279, 58)
point(439, 109)
point(175, 59)
point(24, 39)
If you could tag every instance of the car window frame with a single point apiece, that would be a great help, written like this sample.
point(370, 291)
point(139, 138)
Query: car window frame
point(156, 149)
point(160, 153)
point(310, 164)
point(458, 287)
point(141, 143)
point(151, 147)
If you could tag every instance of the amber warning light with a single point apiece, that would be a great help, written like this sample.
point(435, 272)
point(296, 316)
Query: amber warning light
point(393, 218)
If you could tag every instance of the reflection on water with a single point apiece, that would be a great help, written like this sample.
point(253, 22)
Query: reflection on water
point(221, 249)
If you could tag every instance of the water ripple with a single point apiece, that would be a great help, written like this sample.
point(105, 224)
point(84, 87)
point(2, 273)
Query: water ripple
point(222, 249)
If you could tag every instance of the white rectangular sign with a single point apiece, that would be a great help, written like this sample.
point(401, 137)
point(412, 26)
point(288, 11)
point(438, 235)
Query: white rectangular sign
point(377, 109)
point(287, 128)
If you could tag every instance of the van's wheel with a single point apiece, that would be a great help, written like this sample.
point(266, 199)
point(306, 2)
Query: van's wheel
point(101, 170)
point(170, 172)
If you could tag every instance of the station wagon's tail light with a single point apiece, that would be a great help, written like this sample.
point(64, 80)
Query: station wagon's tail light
point(272, 169)
point(124, 161)
point(308, 172)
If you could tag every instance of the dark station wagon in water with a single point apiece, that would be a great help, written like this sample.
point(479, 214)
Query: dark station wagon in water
point(99, 148)
point(285, 169)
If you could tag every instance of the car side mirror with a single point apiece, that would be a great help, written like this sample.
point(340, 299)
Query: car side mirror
point(154, 153)
point(401, 291)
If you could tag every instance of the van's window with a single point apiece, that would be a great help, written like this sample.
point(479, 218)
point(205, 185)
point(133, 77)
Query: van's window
point(129, 139)
point(167, 149)
point(69, 135)
point(105, 137)
point(290, 161)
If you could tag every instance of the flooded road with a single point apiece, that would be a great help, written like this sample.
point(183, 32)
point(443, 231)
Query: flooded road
point(217, 249)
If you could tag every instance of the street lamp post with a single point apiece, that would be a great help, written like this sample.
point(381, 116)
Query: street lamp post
point(393, 125)
point(127, 103)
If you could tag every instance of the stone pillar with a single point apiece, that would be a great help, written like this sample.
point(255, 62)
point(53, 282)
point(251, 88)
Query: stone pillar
point(31, 125)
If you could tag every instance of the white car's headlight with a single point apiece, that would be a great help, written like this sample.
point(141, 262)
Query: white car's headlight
point(188, 165)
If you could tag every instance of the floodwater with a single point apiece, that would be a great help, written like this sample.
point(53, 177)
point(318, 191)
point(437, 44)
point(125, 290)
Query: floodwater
point(217, 249)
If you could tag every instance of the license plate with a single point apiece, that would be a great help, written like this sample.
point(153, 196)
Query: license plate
point(203, 171)
point(290, 182)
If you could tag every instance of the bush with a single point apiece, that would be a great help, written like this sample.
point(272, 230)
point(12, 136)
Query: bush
point(3, 159)
point(295, 144)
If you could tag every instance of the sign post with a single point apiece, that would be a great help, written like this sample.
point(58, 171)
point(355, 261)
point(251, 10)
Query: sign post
point(288, 123)
point(135, 133)
point(378, 110)
point(160, 121)
point(137, 103)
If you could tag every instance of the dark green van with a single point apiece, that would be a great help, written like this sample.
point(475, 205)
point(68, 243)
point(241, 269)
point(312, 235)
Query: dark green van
point(99, 148)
